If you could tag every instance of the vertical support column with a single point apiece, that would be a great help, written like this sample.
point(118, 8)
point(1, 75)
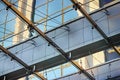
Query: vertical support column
point(25, 7)
point(19, 23)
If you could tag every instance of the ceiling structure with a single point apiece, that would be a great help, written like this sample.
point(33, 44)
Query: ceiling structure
point(109, 42)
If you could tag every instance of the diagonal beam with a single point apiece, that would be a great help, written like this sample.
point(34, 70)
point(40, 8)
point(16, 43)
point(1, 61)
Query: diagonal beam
point(20, 62)
point(14, 57)
point(40, 75)
point(107, 39)
point(46, 38)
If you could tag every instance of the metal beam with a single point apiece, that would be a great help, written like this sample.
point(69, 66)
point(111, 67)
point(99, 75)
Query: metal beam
point(28, 68)
point(46, 38)
point(39, 75)
point(58, 60)
point(108, 41)
point(14, 57)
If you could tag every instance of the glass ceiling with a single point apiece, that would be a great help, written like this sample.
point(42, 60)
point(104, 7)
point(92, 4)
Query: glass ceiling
point(45, 14)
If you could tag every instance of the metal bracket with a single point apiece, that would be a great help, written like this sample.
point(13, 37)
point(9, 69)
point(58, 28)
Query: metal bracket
point(4, 78)
point(8, 7)
point(34, 67)
point(107, 12)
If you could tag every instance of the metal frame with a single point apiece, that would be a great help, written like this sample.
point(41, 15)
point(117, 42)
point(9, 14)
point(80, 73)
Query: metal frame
point(104, 8)
point(106, 38)
point(63, 54)
point(77, 53)
point(28, 68)
point(58, 60)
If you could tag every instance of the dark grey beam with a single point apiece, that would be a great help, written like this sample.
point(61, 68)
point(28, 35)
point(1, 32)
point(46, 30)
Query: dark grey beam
point(108, 41)
point(46, 38)
point(33, 10)
point(114, 78)
point(55, 61)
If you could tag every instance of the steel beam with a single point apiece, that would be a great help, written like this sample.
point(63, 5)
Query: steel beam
point(108, 41)
point(14, 57)
point(28, 68)
point(46, 38)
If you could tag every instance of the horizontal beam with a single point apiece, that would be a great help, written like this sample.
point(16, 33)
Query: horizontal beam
point(114, 78)
point(57, 60)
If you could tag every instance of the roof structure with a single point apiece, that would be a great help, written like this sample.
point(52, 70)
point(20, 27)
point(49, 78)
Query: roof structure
point(37, 49)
